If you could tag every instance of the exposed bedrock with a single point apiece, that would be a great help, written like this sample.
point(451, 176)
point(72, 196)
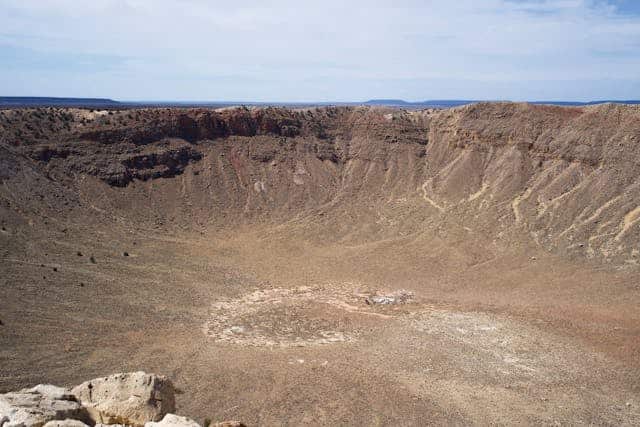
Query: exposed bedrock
point(134, 399)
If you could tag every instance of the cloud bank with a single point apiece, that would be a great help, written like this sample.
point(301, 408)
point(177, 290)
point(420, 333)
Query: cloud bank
point(321, 51)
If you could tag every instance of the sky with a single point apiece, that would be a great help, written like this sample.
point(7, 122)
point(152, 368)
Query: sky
point(329, 50)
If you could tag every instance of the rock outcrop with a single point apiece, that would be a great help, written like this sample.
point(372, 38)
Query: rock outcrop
point(172, 420)
point(134, 399)
point(66, 423)
point(37, 406)
point(131, 398)
point(118, 165)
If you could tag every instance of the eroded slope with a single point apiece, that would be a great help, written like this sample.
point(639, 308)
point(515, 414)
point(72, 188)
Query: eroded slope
point(563, 178)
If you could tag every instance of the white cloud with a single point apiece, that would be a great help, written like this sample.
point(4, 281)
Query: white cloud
point(291, 50)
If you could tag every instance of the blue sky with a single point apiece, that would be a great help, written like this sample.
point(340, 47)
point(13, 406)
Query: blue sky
point(327, 50)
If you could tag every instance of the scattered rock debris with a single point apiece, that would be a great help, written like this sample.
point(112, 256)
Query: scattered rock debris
point(399, 297)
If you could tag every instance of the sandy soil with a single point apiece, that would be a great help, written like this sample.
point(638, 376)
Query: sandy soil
point(277, 330)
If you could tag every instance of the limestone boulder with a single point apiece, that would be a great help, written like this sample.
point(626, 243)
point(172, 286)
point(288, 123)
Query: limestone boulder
point(172, 420)
point(66, 423)
point(37, 406)
point(129, 398)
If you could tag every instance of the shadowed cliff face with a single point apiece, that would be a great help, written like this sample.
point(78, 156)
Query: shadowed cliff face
point(564, 178)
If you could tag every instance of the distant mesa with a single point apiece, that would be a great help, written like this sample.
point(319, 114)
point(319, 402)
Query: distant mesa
point(450, 103)
point(37, 101)
point(387, 102)
point(445, 103)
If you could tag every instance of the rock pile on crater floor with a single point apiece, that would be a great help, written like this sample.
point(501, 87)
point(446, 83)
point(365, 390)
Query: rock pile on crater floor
point(127, 399)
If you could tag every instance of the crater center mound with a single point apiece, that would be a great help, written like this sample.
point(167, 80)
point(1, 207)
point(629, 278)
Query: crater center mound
point(300, 317)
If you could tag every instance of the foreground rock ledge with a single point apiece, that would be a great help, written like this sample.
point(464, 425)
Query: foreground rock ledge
point(133, 399)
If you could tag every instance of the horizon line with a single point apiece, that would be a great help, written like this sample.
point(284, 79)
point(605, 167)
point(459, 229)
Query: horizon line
point(372, 101)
